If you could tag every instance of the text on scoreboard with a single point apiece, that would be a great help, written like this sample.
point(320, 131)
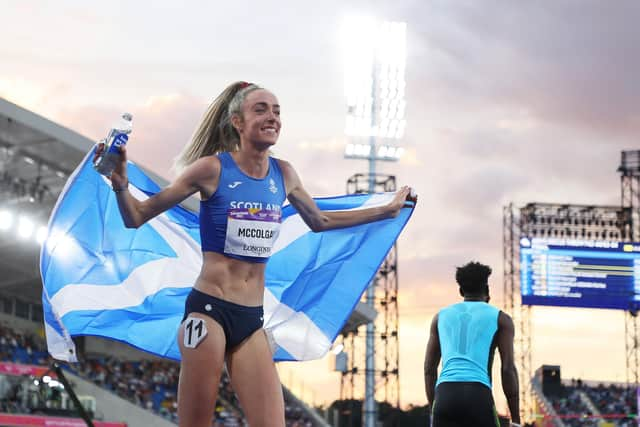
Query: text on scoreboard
point(580, 273)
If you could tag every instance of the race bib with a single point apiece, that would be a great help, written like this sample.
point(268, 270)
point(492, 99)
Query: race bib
point(252, 232)
point(195, 330)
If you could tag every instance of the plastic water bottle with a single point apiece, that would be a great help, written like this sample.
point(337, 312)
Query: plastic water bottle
point(118, 135)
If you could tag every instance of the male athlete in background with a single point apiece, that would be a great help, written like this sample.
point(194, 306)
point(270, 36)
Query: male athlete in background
point(465, 336)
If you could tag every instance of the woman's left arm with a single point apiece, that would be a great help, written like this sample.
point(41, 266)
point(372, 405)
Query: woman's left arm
point(318, 220)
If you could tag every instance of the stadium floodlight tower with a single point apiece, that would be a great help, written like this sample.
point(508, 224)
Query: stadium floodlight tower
point(375, 61)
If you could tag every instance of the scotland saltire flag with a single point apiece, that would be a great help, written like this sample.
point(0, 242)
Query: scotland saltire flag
point(103, 279)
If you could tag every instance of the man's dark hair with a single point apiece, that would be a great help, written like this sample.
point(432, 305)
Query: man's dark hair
point(473, 278)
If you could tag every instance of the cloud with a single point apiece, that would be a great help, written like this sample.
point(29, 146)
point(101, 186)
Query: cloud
point(569, 64)
point(162, 125)
point(165, 126)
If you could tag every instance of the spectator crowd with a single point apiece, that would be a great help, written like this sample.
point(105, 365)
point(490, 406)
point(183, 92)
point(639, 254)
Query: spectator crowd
point(150, 384)
point(616, 405)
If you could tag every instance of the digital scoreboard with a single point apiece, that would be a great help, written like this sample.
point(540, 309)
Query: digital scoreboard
point(580, 273)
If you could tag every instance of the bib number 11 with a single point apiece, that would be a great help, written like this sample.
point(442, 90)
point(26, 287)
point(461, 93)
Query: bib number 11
point(195, 330)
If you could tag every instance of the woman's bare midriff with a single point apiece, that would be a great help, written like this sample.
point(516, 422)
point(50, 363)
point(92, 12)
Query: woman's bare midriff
point(230, 279)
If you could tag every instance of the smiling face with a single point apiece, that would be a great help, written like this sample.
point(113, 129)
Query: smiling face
point(260, 121)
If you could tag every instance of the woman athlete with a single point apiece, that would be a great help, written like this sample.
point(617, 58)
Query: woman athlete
point(242, 189)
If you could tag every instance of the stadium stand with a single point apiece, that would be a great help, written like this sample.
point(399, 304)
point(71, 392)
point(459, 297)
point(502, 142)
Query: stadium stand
point(298, 414)
point(582, 403)
point(148, 384)
point(153, 386)
point(573, 410)
point(546, 414)
point(613, 403)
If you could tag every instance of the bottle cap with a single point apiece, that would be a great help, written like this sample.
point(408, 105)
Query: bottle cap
point(127, 116)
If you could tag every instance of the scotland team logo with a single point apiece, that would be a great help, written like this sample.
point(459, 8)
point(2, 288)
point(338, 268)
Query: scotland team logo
point(272, 186)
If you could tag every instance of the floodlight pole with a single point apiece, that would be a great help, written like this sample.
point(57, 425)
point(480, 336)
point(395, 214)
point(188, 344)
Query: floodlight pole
point(370, 410)
point(365, 103)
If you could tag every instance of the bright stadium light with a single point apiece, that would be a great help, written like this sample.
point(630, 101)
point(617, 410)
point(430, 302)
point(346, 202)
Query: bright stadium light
point(392, 62)
point(388, 152)
point(358, 35)
point(374, 78)
point(350, 149)
point(25, 227)
point(6, 220)
point(363, 150)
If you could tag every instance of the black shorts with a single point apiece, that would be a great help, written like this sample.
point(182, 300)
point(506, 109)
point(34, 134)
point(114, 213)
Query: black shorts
point(238, 322)
point(463, 404)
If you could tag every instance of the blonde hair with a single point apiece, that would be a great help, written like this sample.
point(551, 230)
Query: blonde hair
point(215, 133)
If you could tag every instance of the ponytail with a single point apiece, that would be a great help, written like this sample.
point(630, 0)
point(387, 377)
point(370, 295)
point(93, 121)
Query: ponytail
point(215, 133)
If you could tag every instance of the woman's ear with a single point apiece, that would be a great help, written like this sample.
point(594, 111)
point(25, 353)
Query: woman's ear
point(236, 122)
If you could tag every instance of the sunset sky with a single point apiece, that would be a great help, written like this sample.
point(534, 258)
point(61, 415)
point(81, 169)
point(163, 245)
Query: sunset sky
point(506, 102)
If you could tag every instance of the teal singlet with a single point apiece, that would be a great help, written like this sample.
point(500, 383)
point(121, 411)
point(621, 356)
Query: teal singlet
point(467, 332)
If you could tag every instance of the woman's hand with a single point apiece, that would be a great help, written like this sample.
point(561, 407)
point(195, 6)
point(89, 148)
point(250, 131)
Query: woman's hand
point(118, 177)
point(402, 196)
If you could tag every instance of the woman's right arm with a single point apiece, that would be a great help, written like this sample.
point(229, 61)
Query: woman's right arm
point(201, 176)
